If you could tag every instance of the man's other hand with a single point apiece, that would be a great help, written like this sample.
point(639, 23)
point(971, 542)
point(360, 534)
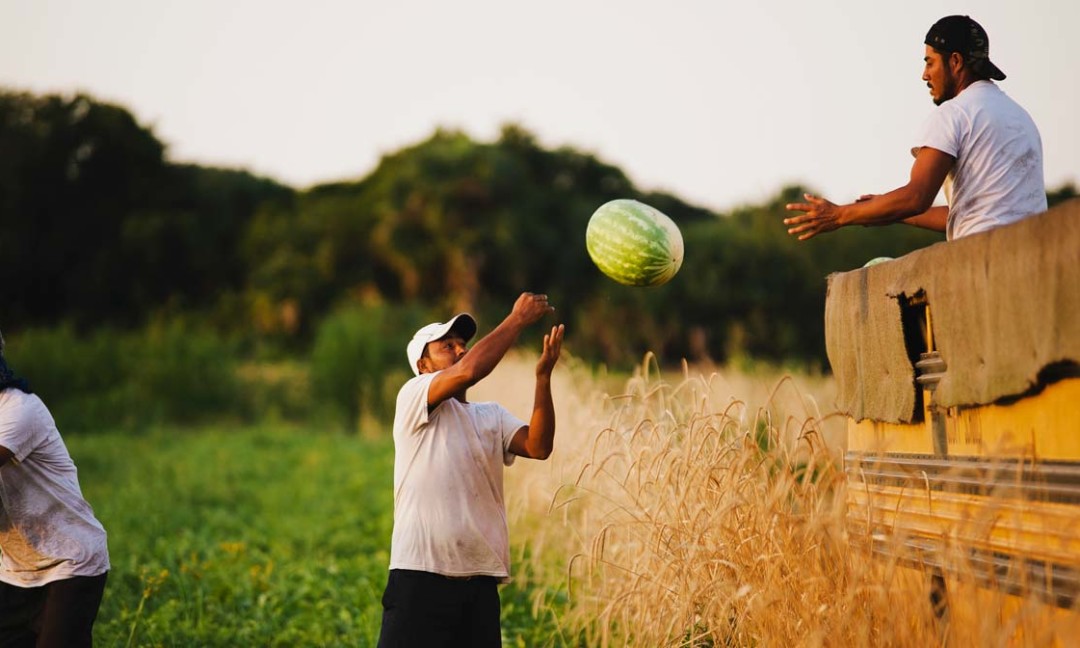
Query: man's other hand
point(552, 348)
point(820, 216)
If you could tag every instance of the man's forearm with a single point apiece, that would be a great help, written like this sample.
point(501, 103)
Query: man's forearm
point(897, 205)
point(935, 218)
point(541, 440)
point(483, 357)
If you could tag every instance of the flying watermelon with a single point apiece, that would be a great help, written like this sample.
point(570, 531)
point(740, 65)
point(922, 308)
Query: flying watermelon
point(633, 243)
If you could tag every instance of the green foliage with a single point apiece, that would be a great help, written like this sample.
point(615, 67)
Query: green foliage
point(193, 367)
point(1065, 192)
point(269, 536)
point(74, 170)
point(111, 379)
point(98, 228)
point(84, 380)
point(358, 361)
point(451, 223)
point(266, 536)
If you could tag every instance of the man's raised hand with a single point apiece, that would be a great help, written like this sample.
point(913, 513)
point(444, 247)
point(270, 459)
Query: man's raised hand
point(530, 307)
point(552, 349)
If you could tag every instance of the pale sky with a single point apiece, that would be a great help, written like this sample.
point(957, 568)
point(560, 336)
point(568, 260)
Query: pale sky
point(720, 103)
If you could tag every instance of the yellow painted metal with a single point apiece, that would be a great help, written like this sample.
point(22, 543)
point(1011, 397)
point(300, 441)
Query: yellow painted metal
point(1030, 623)
point(1045, 426)
point(1034, 529)
point(875, 436)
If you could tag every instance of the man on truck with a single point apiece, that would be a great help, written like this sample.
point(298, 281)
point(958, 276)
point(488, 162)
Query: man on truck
point(979, 143)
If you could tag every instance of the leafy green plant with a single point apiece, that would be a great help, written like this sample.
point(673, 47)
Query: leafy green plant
point(272, 535)
point(358, 360)
point(168, 372)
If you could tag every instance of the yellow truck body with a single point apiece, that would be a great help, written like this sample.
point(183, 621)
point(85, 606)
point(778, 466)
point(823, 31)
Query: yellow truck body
point(958, 367)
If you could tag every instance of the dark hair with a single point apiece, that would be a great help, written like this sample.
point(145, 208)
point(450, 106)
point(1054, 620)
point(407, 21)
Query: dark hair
point(7, 376)
point(9, 379)
point(971, 63)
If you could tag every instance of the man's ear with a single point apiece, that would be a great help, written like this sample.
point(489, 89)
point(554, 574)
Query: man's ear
point(956, 62)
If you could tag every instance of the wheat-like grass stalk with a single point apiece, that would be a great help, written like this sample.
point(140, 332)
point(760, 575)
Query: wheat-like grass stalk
point(681, 515)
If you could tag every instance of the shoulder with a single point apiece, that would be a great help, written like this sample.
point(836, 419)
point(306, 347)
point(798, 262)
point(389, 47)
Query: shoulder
point(979, 97)
point(411, 408)
point(987, 108)
point(17, 405)
point(417, 384)
point(24, 421)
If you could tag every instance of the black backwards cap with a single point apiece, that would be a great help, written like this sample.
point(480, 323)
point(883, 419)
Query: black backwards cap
point(964, 35)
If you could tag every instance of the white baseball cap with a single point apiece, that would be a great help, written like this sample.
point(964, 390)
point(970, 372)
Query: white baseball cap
point(463, 324)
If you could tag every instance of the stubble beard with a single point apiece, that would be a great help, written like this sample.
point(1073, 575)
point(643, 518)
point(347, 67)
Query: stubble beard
point(948, 89)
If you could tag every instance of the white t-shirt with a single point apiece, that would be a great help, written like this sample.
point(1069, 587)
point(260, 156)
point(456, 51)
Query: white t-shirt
point(449, 512)
point(48, 532)
point(998, 175)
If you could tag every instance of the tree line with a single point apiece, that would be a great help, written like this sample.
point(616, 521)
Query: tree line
point(98, 227)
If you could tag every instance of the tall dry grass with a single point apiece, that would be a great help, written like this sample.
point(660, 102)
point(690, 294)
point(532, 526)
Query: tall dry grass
point(708, 508)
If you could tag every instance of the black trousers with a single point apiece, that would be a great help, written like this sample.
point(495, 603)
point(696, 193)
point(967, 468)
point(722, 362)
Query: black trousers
point(425, 609)
point(60, 614)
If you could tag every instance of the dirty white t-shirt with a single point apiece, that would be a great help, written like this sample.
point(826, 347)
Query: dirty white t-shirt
point(48, 532)
point(449, 512)
point(998, 175)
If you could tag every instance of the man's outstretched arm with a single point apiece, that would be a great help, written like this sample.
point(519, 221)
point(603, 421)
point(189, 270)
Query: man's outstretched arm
point(482, 358)
point(537, 439)
point(910, 203)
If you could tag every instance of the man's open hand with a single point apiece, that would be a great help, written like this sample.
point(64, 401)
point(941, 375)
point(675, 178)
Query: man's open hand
point(552, 348)
point(820, 216)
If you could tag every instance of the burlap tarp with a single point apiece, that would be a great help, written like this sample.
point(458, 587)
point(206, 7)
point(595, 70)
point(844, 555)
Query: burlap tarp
point(1004, 304)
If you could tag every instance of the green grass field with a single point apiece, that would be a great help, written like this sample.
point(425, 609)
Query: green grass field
point(270, 536)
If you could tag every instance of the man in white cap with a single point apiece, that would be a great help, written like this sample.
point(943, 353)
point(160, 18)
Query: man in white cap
point(450, 547)
point(54, 558)
point(978, 143)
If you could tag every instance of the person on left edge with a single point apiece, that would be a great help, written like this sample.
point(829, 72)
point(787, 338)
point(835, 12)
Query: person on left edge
point(450, 546)
point(53, 554)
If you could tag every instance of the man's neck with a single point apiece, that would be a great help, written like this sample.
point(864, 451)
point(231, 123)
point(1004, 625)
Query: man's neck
point(966, 81)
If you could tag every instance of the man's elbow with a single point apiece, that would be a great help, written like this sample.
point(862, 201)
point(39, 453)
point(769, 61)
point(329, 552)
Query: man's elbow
point(918, 201)
point(540, 451)
point(542, 454)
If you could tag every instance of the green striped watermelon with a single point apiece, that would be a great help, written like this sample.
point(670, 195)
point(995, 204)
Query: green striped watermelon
point(634, 243)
